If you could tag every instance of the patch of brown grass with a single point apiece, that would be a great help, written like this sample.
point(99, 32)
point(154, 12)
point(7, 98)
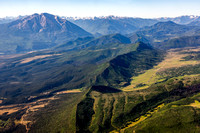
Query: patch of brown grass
point(26, 60)
point(69, 91)
point(9, 110)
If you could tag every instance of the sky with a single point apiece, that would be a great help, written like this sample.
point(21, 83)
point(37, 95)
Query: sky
point(90, 8)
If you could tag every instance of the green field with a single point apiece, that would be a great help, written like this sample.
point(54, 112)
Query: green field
point(173, 59)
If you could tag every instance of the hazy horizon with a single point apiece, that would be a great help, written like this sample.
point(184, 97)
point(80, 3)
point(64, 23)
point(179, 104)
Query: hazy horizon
point(82, 17)
point(92, 8)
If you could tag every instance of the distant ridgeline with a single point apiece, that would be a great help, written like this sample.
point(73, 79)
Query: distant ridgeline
point(44, 31)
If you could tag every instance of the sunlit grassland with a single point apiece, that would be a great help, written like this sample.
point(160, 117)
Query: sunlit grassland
point(173, 59)
point(196, 104)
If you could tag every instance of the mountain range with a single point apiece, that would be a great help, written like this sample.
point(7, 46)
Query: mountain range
point(37, 31)
point(124, 25)
point(181, 19)
point(163, 31)
point(111, 24)
point(44, 31)
point(99, 75)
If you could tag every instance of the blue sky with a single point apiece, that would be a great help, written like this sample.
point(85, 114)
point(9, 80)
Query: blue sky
point(85, 8)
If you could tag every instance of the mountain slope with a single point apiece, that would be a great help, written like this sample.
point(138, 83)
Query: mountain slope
point(111, 41)
point(37, 31)
point(123, 67)
point(73, 44)
point(194, 23)
point(186, 41)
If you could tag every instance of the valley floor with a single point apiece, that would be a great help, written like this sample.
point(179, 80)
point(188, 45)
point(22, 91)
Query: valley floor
point(173, 59)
